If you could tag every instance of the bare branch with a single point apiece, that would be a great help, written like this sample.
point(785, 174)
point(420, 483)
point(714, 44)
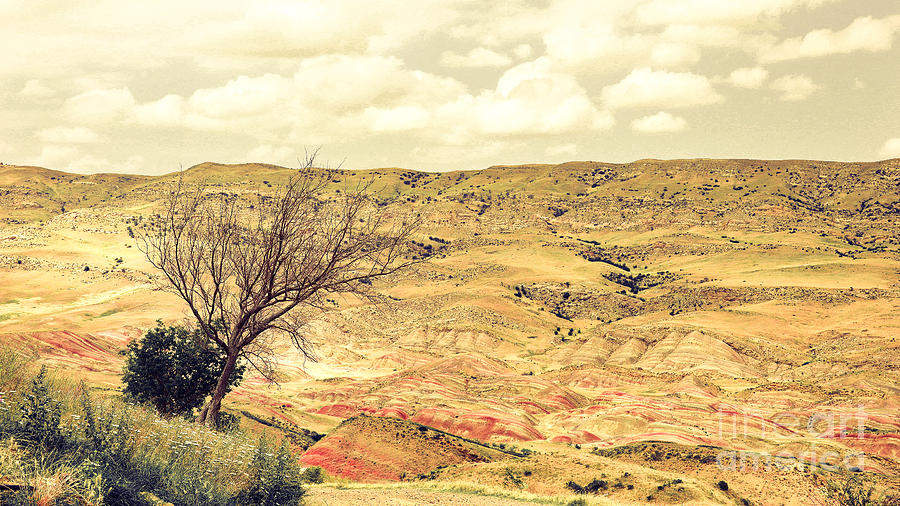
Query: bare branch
point(245, 269)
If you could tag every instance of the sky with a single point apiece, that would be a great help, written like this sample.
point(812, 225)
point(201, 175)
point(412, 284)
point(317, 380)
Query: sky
point(149, 87)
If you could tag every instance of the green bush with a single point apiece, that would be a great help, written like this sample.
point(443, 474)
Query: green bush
point(172, 369)
point(274, 479)
point(313, 474)
point(40, 415)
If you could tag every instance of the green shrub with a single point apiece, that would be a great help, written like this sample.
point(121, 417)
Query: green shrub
point(39, 422)
point(172, 369)
point(274, 478)
point(313, 474)
point(107, 436)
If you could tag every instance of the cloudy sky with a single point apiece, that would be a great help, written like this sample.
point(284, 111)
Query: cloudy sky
point(150, 86)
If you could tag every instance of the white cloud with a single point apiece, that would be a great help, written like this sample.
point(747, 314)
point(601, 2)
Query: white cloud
point(645, 87)
point(397, 119)
point(99, 106)
point(69, 135)
point(334, 82)
point(49, 40)
point(658, 123)
point(748, 77)
point(664, 12)
point(532, 98)
point(891, 148)
point(74, 159)
point(595, 44)
point(494, 24)
point(301, 28)
point(674, 54)
point(90, 163)
point(292, 29)
point(167, 111)
point(99, 81)
point(267, 153)
point(321, 102)
point(523, 51)
point(863, 34)
point(704, 35)
point(55, 156)
point(242, 96)
point(567, 149)
point(35, 89)
point(477, 57)
point(794, 87)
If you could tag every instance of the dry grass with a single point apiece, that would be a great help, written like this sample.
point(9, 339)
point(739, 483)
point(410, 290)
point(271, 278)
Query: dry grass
point(106, 447)
point(461, 487)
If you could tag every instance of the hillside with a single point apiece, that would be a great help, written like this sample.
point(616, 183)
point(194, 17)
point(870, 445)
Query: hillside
point(645, 319)
point(368, 448)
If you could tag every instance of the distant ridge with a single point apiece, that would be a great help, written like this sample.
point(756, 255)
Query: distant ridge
point(6, 168)
point(36, 192)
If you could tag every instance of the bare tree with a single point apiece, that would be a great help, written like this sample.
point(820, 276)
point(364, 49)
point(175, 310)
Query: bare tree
point(247, 270)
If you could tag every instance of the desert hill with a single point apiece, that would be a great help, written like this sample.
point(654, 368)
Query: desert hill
point(376, 448)
point(655, 314)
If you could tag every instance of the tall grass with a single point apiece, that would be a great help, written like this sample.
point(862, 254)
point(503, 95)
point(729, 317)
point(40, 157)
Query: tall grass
point(59, 445)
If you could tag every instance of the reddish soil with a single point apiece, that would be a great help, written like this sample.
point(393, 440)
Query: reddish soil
point(368, 449)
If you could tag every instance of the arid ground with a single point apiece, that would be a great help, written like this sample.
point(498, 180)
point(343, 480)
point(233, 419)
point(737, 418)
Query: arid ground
point(653, 328)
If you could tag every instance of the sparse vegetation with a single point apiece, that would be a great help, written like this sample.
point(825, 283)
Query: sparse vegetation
point(61, 446)
point(638, 282)
point(856, 490)
point(758, 313)
point(594, 487)
point(513, 478)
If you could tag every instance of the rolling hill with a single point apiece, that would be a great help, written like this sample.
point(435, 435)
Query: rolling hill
point(635, 323)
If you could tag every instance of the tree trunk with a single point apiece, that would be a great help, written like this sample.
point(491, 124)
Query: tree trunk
point(210, 411)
